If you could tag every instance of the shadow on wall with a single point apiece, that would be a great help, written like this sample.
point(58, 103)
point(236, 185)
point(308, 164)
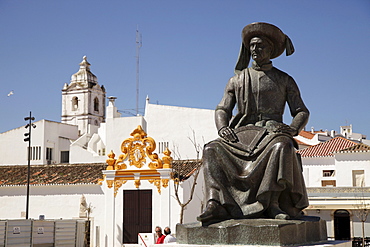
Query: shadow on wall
point(53, 190)
point(119, 235)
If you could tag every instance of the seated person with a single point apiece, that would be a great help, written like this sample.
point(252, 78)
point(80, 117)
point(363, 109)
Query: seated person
point(159, 236)
point(169, 238)
point(253, 169)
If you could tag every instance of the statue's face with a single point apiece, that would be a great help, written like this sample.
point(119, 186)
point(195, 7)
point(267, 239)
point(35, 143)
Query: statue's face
point(260, 50)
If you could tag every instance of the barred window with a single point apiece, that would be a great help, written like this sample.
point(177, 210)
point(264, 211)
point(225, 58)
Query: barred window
point(162, 146)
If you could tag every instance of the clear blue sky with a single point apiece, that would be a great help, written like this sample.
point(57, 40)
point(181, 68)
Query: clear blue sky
point(188, 54)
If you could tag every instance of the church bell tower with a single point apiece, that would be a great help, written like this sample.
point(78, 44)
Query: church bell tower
point(83, 100)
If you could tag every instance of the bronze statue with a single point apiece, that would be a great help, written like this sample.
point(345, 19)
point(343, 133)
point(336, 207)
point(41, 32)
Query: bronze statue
point(253, 169)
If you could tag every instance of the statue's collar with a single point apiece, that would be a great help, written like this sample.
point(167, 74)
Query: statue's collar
point(263, 67)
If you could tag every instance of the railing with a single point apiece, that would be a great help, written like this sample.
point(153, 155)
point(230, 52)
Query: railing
point(338, 189)
point(357, 242)
point(44, 233)
point(349, 192)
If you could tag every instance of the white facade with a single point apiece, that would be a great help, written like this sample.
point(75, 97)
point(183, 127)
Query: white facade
point(342, 168)
point(48, 141)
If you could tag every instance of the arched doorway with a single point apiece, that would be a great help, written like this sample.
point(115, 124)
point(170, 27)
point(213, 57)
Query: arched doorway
point(342, 227)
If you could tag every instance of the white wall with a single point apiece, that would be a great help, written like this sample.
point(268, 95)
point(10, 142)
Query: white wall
point(347, 162)
point(196, 206)
point(119, 129)
point(53, 201)
point(313, 170)
point(177, 124)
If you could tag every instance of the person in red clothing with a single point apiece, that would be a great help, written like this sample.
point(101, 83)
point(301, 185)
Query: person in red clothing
point(158, 233)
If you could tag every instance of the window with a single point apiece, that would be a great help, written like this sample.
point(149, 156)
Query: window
point(96, 104)
point(74, 104)
point(162, 147)
point(358, 178)
point(328, 183)
point(328, 173)
point(35, 153)
point(49, 154)
point(64, 157)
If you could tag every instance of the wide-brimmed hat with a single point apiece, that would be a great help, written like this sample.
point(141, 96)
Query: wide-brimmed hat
point(279, 40)
point(272, 32)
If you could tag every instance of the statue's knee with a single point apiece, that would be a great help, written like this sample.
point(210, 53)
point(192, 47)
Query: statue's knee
point(209, 148)
point(283, 144)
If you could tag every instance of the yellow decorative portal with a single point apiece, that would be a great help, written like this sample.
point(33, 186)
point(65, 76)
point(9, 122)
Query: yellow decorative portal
point(137, 152)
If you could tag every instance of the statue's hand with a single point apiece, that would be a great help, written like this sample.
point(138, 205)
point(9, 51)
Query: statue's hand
point(288, 130)
point(228, 134)
point(284, 128)
point(278, 127)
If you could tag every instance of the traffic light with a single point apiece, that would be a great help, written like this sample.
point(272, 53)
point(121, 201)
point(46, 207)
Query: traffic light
point(27, 135)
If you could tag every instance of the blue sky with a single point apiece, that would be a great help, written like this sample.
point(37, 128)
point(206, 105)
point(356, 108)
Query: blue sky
point(189, 49)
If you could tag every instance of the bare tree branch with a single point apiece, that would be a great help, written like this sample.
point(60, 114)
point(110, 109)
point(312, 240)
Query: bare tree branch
point(362, 212)
point(194, 175)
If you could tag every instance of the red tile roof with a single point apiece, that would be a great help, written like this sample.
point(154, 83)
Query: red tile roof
point(306, 134)
point(74, 173)
point(309, 134)
point(327, 148)
point(51, 174)
point(185, 168)
point(357, 148)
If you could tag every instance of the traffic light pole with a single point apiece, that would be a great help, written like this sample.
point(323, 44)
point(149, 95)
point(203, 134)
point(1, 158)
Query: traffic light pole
point(28, 138)
point(28, 171)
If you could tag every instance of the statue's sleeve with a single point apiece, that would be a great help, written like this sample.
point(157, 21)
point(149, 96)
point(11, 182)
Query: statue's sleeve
point(225, 108)
point(298, 110)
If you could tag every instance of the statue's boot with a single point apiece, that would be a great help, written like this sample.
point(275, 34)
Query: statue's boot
point(274, 211)
point(214, 212)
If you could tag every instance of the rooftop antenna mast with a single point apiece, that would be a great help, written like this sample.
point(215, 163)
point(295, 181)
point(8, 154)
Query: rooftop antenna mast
point(138, 46)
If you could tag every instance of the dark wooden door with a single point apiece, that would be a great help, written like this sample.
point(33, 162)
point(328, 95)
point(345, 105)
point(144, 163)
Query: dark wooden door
point(137, 214)
point(342, 227)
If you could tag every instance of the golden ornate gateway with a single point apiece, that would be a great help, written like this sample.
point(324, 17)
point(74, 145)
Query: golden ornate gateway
point(137, 155)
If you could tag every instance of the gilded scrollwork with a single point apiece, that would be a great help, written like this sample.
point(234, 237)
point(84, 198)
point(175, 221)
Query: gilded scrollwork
point(137, 148)
point(138, 151)
point(137, 183)
point(117, 185)
point(110, 183)
point(165, 182)
point(167, 159)
point(111, 161)
point(156, 183)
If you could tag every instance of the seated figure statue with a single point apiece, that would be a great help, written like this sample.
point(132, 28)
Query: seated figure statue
point(252, 170)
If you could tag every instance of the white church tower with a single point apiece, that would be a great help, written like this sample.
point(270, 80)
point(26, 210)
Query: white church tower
point(83, 100)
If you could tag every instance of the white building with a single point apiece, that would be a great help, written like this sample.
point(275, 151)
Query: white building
point(337, 184)
point(82, 141)
point(50, 144)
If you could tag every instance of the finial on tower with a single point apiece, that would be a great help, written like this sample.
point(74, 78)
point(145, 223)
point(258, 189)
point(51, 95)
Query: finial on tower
point(85, 64)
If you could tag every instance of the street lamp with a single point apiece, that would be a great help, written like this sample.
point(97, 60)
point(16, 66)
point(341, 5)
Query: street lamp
point(28, 139)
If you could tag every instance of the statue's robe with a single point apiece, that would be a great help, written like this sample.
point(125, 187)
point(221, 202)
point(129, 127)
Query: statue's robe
point(264, 160)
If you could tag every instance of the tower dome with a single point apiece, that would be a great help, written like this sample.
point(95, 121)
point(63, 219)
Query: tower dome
point(84, 77)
